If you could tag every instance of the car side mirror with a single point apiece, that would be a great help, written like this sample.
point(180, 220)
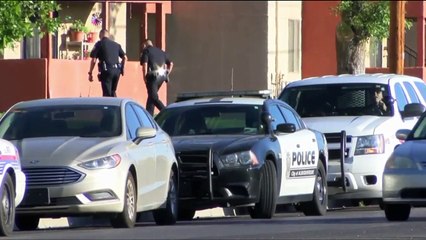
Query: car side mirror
point(402, 134)
point(266, 118)
point(144, 133)
point(413, 110)
point(286, 127)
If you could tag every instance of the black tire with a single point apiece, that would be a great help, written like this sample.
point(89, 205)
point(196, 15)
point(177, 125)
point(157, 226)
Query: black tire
point(127, 218)
point(397, 212)
point(169, 214)
point(318, 205)
point(27, 222)
point(7, 207)
point(267, 204)
point(185, 213)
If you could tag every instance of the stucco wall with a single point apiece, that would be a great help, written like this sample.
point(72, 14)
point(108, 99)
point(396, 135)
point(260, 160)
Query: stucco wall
point(318, 43)
point(279, 14)
point(212, 43)
point(22, 80)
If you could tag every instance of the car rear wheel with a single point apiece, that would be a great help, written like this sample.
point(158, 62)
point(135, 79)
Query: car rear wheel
point(397, 212)
point(26, 222)
point(168, 215)
point(127, 218)
point(318, 205)
point(7, 207)
point(267, 204)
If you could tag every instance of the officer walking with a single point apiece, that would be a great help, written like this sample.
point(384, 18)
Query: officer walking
point(107, 51)
point(156, 67)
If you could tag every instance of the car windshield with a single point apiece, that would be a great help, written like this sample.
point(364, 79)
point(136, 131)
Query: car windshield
point(355, 99)
point(82, 121)
point(211, 119)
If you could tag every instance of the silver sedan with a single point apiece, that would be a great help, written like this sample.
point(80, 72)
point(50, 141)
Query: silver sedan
point(404, 184)
point(87, 156)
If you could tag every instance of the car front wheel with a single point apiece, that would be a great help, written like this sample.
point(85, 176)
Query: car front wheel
point(7, 207)
point(127, 218)
point(318, 205)
point(267, 204)
point(168, 215)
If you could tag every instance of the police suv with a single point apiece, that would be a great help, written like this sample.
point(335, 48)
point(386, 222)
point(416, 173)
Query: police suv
point(244, 149)
point(359, 140)
point(12, 185)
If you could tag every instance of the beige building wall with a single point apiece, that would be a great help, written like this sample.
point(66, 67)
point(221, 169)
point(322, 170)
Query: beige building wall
point(279, 15)
point(117, 23)
point(225, 45)
point(12, 52)
point(217, 46)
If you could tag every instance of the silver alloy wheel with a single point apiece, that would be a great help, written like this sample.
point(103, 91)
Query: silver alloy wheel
point(322, 191)
point(6, 210)
point(173, 196)
point(130, 198)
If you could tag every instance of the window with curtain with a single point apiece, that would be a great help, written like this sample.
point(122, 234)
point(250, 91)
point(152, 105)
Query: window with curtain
point(294, 45)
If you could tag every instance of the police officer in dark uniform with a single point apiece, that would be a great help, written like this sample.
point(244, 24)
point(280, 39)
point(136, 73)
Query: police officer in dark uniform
point(107, 51)
point(156, 67)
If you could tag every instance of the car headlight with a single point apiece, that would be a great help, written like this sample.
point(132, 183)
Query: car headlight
point(102, 163)
point(373, 144)
point(239, 159)
point(398, 162)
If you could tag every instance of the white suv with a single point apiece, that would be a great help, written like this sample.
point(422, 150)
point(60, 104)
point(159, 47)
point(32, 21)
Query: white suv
point(340, 107)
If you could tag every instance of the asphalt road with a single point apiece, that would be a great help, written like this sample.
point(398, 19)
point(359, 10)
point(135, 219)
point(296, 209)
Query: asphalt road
point(350, 223)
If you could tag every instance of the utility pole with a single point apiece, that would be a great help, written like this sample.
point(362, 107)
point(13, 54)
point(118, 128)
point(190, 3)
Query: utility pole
point(397, 37)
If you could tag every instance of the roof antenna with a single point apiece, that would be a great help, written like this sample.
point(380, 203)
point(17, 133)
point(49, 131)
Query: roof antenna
point(232, 79)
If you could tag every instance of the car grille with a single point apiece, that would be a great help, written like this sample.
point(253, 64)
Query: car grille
point(52, 176)
point(195, 173)
point(194, 163)
point(333, 138)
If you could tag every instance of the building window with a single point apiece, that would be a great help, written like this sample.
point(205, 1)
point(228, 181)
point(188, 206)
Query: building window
point(375, 52)
point(31, 47)
point(293, 45)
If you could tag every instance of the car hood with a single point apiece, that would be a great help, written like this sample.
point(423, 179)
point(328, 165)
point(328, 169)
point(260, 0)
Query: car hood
point(218, 143)
point(60, 151)
point(353, 125)
point(414, 150)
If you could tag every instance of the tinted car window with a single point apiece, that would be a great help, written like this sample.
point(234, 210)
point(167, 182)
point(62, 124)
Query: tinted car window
point(353, 99)
point(401, 99)
point(422, 89)
point(211, 119)
point(143, 116)
point(411, 92)
point(68, 120)
point(132, 122)
point(290, 117)
point(419, 131)
point(277, 117)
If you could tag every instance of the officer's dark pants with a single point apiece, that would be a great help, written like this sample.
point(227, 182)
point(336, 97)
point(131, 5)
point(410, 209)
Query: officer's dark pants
point(153, 84)
point(109, 81)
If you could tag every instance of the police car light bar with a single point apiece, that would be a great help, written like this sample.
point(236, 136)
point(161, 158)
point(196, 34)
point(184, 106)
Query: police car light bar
point(247, 93)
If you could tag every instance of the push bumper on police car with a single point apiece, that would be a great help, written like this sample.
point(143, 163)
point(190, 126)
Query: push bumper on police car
point(205, 184)
point(350, 176)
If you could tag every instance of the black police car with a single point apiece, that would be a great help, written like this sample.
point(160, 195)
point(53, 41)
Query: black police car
point(244, 149)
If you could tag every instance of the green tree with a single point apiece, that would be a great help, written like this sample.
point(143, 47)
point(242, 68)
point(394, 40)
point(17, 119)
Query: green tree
point(360, 20)
point(19, 19)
